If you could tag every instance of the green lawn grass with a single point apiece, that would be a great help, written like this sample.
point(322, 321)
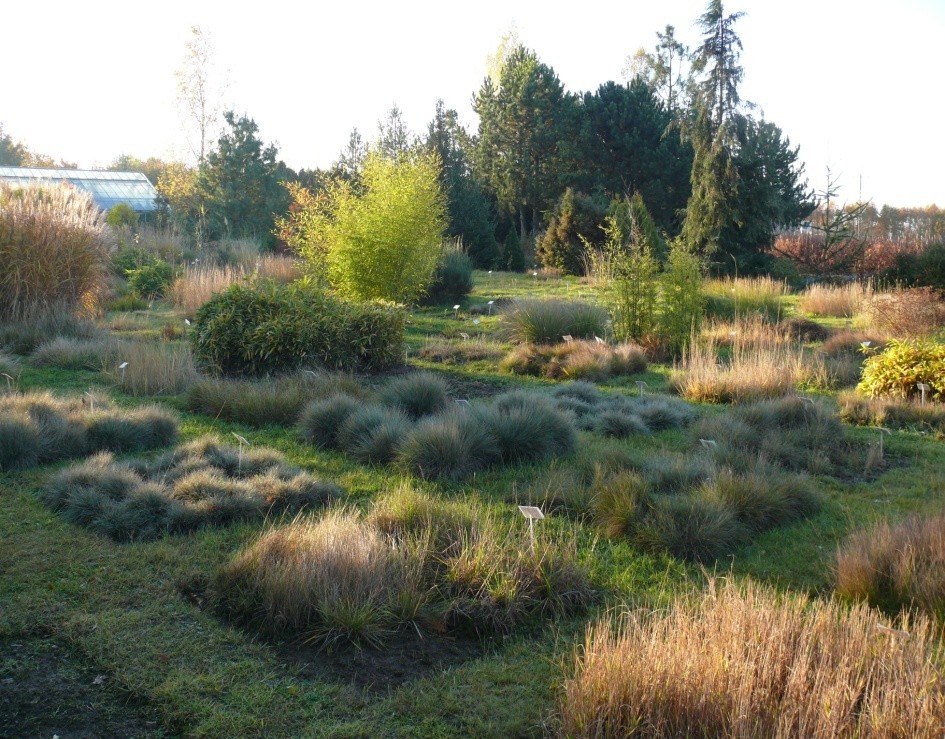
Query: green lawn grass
point(122, 606)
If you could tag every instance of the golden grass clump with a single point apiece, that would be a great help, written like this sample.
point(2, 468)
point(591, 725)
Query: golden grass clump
point(202, 281)
point(896, 566)
point(892, 412)
point(576, 360)
point(329, 579)
point(154, 368)
point(838, 301)
point(908, 313)
point(750, 662)
point(751, 372)
point(54, 251)
point(730, 298)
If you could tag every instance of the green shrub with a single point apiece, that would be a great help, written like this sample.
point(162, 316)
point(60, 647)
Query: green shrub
point(418, 394)
point(901, 366)
point(121, 215)
point(379, 240)
point(268, 329)
point(453, 278)
point(152, 280)
point(54, 252)
point(548, 321)
point(513, 256)
point(575, 220)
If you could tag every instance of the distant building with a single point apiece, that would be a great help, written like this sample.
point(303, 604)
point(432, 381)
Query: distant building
point(106, 188)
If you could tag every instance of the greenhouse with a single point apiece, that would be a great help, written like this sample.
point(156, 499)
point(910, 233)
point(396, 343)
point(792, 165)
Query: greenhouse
point(107, 188)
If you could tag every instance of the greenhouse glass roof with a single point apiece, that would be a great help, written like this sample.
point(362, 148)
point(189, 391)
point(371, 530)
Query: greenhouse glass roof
point(107, 188)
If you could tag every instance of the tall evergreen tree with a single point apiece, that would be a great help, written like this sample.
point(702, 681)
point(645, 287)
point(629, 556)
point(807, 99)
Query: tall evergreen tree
point(717, 58)
point(625, 144)
point(241, 183)
point(520, 128)
point(471, 213)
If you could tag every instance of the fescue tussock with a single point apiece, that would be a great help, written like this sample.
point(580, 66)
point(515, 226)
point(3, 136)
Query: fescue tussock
point(617, 415)
point(77, 354)
point(794, 433)
point(621, 501)
point(896, 566)
point(322, 419)
point(24, 337)
point(54, 251)
point(749, 373)
point(452, 446)
point(153, 368)
point(549, 321)
point(838, 301)
point(730, 298)
point(892, 413)
point(333, 579)
point(277, 401)
point(418, 394)
point(515, 427)
point(203, 483)
point(763, 498)
point(373, 434)
point(10, 369)
point(750, 662)
point(39, 428)
point(691, 528)
point(575, 360)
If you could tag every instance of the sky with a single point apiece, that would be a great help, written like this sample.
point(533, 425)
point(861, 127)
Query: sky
point(857, 85)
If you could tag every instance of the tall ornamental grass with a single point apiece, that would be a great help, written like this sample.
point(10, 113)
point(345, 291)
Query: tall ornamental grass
point(53, 251)
point(750, 662)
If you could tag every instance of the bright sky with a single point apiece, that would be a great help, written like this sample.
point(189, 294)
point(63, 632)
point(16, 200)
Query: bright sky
point(856, 85)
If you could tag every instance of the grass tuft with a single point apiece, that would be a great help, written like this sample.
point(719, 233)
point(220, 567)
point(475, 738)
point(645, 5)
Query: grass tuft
point(753, 662)
point(549, 321)
point(896, 567)
point(418, 394)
